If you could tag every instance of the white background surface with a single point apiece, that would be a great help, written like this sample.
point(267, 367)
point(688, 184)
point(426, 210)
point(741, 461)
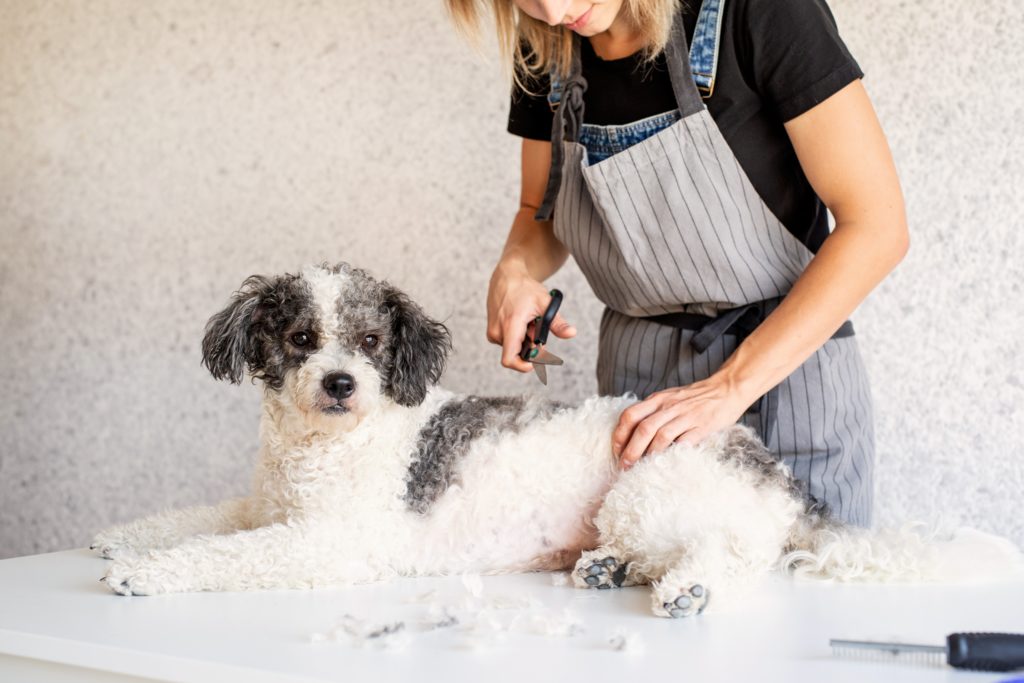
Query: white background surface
point(55, 609)
point(152, 155)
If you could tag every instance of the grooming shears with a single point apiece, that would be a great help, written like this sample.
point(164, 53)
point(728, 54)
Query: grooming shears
point(533, 350)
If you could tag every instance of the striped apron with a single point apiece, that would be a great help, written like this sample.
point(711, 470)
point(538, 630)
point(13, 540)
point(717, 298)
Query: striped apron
point(688, 259)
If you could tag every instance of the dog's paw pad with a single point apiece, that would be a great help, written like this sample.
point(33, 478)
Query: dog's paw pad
point(690, 601)
point(602, 573)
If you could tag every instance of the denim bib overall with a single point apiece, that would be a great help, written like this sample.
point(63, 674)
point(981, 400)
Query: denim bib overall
point(688, 259)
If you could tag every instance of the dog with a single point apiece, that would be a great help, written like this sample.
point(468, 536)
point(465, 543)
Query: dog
point(368, 470)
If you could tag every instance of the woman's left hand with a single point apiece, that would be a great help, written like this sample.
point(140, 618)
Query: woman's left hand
point(682, 414)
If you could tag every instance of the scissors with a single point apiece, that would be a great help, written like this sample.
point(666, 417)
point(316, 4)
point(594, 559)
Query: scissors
point(533, 350)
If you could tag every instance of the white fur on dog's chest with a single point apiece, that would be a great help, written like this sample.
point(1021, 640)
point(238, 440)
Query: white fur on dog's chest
point(353, 478)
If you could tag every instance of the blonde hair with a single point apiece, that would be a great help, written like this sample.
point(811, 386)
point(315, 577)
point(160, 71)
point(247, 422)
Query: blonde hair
point(533, 48)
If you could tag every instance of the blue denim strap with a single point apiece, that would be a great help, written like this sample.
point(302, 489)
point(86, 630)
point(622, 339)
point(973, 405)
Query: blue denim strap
point(555, 93)
point(704, 50)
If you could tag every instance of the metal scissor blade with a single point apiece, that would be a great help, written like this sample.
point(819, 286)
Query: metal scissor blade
point(545, 357)
point(541, 372)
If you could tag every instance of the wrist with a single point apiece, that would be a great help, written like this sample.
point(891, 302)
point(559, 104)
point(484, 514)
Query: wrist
point(742, 378)
point(511, 265)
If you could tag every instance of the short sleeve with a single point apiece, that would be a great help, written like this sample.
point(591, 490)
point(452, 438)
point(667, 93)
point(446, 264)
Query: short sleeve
point(529, 114)
point(796, 56)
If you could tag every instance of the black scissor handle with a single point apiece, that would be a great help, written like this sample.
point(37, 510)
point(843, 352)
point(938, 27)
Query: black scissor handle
point(541, 333)
point(542, 326)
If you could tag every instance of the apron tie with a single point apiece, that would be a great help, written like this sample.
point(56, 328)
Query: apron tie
point(725, 322)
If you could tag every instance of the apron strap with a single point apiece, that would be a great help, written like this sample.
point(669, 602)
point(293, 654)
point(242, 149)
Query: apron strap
point(568, 108)
point(677, 58)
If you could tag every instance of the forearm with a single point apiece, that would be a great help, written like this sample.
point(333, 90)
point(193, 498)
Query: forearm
point(851, 262)
point(532, 247)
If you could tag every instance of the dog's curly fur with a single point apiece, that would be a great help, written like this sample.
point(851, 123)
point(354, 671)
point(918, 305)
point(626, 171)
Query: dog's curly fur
point(367, 470)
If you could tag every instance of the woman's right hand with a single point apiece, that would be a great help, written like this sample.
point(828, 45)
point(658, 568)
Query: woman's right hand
point(514, 300)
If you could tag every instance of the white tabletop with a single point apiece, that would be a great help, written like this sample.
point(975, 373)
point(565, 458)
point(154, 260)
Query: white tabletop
point(58, 622)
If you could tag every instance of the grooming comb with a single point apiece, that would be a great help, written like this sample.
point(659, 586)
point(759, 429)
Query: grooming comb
point(978, 651)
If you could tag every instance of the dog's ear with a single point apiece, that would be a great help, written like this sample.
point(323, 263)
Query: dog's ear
point(420, 349)
point(231, 342)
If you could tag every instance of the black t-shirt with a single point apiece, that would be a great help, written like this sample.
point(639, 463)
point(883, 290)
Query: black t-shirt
point(776, 60)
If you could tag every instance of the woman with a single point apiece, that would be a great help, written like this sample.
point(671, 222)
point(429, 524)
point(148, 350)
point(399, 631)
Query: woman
point(690, 184)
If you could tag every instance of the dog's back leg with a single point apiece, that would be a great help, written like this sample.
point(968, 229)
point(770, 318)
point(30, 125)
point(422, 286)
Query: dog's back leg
point(685, 589)
point(718, 564)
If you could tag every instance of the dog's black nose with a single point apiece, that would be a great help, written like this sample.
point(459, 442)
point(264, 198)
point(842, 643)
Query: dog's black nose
point(339, 385)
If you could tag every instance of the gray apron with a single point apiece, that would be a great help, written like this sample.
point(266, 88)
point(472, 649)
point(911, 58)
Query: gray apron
point(688, 259)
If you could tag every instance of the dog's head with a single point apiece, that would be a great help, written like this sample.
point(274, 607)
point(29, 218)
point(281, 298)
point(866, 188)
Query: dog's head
point(332, 339)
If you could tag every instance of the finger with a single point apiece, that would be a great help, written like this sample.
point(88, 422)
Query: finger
point(641, 438)
point(512, 343)
point(494, 334)
point(628, 421)
point(562, 328)
point(671, 432)
point(693, 436)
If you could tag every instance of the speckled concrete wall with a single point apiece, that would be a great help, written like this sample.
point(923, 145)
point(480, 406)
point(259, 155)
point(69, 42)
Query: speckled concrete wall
point(152, 155)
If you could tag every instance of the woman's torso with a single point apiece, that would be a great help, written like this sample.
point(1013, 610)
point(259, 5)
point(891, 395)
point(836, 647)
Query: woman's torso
point(748, 103)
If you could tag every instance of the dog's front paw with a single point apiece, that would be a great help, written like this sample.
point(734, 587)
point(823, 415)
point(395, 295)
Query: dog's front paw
point(112, 543)
point(116, 543)
point(140, 576)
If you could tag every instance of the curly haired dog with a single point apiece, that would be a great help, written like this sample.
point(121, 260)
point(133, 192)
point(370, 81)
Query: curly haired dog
point(367, 470)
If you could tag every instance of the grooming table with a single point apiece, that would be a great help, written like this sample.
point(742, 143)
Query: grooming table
point(59, 623)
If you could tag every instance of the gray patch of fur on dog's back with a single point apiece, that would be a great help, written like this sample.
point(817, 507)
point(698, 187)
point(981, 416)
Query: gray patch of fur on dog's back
point(744, 448)
point(448, 434)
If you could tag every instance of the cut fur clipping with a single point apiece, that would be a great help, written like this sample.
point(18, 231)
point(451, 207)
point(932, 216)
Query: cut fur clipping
point(627, 642)
point(905, 554)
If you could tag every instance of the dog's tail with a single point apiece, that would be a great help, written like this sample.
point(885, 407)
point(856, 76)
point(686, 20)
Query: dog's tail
point(821, 548)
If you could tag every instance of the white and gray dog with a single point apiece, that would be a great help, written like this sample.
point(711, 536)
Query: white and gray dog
point(367, 470)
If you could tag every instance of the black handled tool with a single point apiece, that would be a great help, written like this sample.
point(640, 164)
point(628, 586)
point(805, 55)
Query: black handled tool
point(533, 350)
point(978, 651)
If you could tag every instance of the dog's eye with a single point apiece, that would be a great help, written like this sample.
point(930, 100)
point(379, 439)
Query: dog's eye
point(301, 339)
point(369, 341)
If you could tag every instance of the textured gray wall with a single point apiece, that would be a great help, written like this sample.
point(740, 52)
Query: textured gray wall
point(152, 155)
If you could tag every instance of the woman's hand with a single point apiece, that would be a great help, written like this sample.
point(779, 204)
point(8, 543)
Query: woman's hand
point(681, 414)
point(514, 299)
